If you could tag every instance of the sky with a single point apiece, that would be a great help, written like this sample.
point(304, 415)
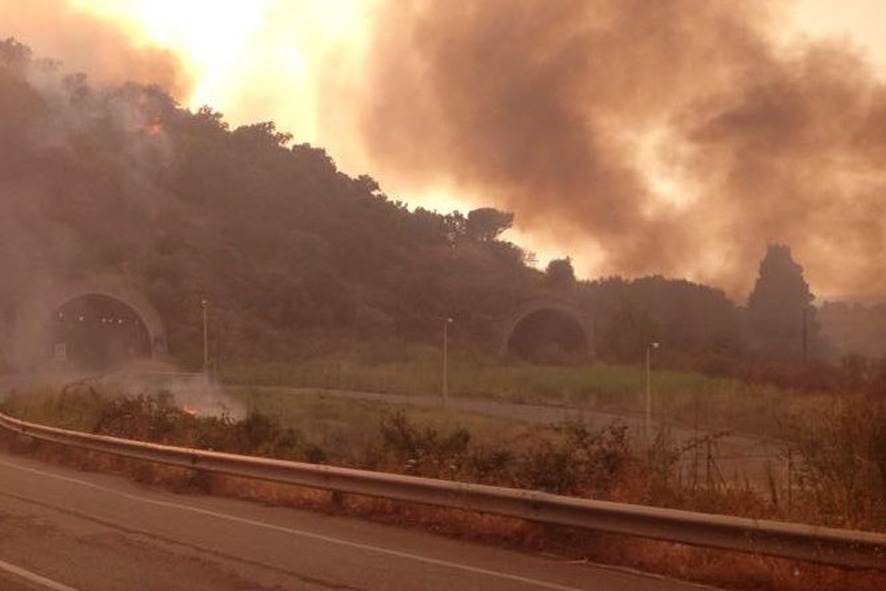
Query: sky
point(449, 108)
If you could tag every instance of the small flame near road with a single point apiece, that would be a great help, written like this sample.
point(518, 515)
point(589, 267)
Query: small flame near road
point(194, 393)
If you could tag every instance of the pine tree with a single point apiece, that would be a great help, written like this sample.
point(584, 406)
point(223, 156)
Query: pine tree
point(780, 307)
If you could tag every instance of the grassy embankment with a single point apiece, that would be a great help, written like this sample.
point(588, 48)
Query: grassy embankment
point(840, 484)
point(839, 478)
point(679, 397)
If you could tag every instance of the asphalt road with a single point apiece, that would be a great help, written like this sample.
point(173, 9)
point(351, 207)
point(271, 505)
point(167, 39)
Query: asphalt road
point(65, 530)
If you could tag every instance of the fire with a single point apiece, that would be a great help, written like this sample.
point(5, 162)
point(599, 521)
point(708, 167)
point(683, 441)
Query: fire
point(152, 128)
point(191, 410)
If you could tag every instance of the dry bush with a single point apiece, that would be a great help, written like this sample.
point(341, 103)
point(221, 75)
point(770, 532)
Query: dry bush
point(841, 479)
point(570, 459)
point(739, 571)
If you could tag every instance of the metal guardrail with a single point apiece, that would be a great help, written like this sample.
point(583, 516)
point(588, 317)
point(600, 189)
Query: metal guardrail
point(846, 548)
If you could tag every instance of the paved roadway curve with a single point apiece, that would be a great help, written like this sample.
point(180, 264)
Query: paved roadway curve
point(64, 530)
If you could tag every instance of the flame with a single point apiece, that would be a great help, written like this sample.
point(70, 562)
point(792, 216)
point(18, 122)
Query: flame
point(189, 409)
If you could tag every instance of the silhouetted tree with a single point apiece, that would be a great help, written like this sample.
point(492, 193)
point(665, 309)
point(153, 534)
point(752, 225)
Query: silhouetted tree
point(486, 223)
point(559, 273)
point(780, 307)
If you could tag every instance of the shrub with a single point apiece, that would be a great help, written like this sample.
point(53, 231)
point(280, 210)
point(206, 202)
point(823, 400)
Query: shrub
point(424, 451)
point(843, 462)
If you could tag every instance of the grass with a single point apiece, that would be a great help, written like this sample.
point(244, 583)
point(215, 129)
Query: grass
point(679, 397)
point(566, 459)
point(348, 427)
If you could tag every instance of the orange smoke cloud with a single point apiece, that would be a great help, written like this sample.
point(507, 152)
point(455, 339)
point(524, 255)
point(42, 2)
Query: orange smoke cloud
point(675, 137)
point(108, 51)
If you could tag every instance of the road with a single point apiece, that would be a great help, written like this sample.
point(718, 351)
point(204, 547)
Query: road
point(65, 530)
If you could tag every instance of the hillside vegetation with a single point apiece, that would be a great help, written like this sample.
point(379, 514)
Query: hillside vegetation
point(299, 260)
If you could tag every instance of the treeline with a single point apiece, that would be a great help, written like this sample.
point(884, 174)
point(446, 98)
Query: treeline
point(855, 329)
point(289, 250)
point(778, 324)
point(269, 231)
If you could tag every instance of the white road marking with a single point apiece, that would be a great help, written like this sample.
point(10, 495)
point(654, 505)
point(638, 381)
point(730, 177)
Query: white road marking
point(297, 532)
point(34, 577)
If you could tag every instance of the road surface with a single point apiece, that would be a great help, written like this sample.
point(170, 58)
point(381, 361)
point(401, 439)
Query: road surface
point(64, 530)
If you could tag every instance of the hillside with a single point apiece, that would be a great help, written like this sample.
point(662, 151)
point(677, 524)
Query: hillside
point(294, 256)
point(273, 235)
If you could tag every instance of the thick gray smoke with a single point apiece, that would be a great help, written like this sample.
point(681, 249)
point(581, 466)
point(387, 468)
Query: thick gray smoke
point(567, 112)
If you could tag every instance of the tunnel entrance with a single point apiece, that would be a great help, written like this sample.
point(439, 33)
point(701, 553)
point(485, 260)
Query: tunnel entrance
point(96, 333)
point(549, 336)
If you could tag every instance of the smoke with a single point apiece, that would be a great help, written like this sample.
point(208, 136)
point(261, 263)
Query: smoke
point(674, 137)
point(110, 52)
point(68, 151)
point(195, 393)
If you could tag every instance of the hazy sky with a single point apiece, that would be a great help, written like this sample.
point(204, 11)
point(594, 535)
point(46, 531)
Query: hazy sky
point(321, 70)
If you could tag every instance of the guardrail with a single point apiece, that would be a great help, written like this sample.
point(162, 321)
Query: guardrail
point(837, 547)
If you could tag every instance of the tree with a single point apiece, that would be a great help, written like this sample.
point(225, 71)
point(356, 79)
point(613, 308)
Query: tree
point(559, 273)
point(487, 223)
point(14, 53)
point(780, 306)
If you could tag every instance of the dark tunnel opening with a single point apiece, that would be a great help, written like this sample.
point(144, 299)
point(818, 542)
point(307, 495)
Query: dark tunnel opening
point(96, 333)
point(550, 337)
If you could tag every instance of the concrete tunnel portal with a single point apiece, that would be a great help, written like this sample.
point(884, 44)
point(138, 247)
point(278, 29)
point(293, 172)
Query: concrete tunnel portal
point(95, 324)
point(95, 332)
point(548, 335)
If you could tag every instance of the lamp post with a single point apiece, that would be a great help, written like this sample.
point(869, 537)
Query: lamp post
point(648, 423)
point(446, 324)
point(204, 303)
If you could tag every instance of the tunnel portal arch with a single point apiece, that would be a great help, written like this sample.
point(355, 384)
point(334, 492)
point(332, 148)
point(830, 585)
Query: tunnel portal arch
point(548, 331)
point(38, 319)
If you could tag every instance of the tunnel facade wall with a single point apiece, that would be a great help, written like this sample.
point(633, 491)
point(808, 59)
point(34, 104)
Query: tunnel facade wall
point(529, 307)
point(32, 337)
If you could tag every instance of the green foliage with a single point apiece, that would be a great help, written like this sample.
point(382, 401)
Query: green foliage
point(559, 273)
point(842, 468)
point(843, 461)
point(578, 461)
point(839, 459)
point(780, 308)
point(424, 451)
point(284, 245)
point(689, 319)
point(854, 329)
point(266, 228)
point(486, 223)
point(155, 417)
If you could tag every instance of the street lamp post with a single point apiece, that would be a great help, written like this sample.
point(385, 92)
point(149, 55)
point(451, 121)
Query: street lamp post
point(205, 305)
point(446, 324)
point(648, 423)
